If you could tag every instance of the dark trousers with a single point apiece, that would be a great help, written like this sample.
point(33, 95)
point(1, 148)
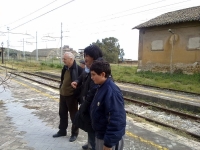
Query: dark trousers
point(91, 139)
point(68, 103)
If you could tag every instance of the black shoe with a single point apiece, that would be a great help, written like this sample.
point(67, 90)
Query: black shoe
point(59, 134)
point(72, 138)
point(85, 146)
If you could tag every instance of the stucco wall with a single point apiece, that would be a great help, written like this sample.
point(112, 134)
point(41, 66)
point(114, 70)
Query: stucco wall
point(160, 50)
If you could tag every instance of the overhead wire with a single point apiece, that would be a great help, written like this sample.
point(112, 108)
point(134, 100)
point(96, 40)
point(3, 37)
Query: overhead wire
point(29, 14)
point(132, 13)
point(128, 10)
point(100, 17)
point(17, 33)
point(42, 15)
point(111, 14)
point(129, 14)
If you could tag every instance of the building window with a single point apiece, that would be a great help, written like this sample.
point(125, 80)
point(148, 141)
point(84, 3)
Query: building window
point(194, 43)
point(157, 45)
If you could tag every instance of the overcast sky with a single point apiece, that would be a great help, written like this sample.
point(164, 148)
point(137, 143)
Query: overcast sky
point(83, 21)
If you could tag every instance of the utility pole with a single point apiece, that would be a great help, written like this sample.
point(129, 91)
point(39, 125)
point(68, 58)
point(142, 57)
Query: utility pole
point(61, 45)
point(23, 50)
point(36, 48)
point(8, 53)
point(2, 52)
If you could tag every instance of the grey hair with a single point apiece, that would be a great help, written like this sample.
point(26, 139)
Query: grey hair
point(70, 55)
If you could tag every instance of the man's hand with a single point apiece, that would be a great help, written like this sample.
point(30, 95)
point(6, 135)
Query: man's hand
point(74, 85)
point(106, 148)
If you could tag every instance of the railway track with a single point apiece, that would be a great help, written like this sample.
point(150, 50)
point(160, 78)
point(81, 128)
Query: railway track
point(167, 110)
point(45, 81)
point(161, 88)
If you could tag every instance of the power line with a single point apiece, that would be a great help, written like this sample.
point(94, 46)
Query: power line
point(29, 14)
point(133, 13)
point(111, 14)
point(43, 14)
point(117, 13)
point(129, 9)
point(17, 33)
point(126, 15)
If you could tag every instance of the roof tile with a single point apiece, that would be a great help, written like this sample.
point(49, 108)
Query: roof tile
point(183, 15)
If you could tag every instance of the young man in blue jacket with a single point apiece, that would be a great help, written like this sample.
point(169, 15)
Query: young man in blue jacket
point(107, 109)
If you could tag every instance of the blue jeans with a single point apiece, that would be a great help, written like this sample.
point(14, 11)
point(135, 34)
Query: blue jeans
point(91, 139)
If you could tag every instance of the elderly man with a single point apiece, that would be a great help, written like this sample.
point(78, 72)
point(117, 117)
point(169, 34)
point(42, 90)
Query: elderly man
point(68, 96)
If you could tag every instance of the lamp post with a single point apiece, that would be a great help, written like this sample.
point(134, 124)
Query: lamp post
point(2, 51)
point(8, 44)
point(172, 50)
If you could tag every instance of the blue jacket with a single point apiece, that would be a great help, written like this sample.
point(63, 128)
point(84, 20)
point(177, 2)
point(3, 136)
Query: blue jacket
point(108, 114)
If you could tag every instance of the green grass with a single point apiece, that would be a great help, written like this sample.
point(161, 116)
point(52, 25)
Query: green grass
point(125, 73)
point(179, 81)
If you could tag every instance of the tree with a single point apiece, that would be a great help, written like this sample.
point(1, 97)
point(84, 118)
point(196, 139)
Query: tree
point(111, 49)
point(6, 77)
point(4, 81)
point(121, 54)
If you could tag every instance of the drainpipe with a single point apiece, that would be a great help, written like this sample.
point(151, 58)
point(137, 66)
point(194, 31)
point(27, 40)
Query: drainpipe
point(172, 51)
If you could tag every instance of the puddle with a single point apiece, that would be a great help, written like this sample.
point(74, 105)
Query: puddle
point(32, 129)
point(5, 94)
point(35, 132)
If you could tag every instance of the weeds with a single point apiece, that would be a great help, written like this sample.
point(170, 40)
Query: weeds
point(120, 73)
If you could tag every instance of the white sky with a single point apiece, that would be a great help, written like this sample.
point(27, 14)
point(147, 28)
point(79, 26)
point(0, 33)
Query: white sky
point(83, 21)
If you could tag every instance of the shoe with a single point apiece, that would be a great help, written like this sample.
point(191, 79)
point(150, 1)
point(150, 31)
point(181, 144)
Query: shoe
point(72, 138)
point(85, 146)
point(59, 134)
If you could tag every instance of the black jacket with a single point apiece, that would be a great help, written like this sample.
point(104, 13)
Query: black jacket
point(88, 90)
point(75, 72)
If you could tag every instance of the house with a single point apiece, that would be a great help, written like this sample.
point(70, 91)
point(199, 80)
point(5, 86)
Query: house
point(44, 54)
point(170, 42)
point(66, 48)
point(50, 53)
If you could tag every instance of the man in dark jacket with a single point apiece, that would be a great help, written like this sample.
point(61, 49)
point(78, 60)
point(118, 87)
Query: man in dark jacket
point(68, 96)
point(88, 89)
point(107, 109)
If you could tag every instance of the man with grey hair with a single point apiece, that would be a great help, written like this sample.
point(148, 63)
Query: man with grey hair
point(68, 96)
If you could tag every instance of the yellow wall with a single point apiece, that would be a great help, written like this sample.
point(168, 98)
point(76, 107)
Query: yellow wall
point(149, 59)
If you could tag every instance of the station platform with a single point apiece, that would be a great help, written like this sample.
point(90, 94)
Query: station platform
point(181, 100)
point(29, 118)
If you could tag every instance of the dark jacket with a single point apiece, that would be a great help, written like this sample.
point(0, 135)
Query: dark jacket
point(88, 90)
point(108, 114)
point(75, 72)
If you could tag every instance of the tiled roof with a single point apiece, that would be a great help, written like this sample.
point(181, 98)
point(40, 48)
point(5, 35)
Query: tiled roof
point(183, 15)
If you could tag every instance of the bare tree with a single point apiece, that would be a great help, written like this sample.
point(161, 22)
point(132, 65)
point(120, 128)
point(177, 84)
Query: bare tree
point(5, 77)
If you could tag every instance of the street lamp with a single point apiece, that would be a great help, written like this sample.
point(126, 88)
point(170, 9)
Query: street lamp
point(8, 43)
point(2, 51)
point(172, 50)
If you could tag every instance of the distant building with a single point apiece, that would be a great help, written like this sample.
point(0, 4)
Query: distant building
point(171, 42)
point(48, 53)
point(66, 48)
point(14, 53)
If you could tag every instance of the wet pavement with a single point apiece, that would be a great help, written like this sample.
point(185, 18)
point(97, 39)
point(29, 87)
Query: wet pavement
point(29, 118)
